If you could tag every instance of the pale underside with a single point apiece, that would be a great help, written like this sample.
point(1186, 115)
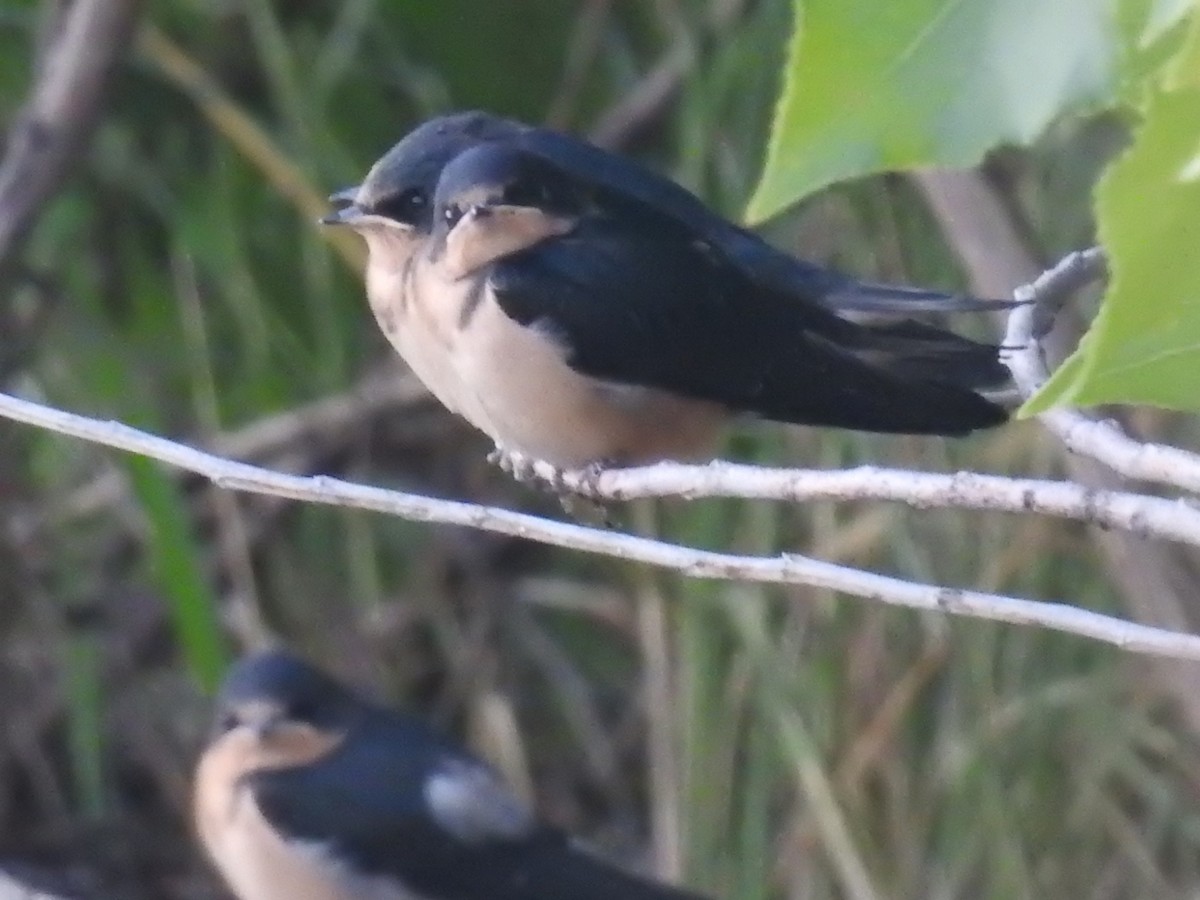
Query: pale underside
point(512, 381)
point(254, 860)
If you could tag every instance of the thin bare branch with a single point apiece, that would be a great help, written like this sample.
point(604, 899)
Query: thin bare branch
point(1104, 442)
point(640, 105)
point(1140, 514)
point(784, 569)
point(1157, 581)
point(272, 440)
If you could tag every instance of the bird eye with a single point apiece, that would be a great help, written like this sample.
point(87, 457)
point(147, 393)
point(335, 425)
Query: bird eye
point(406, 206)
point(451, 214)
point(227, 722)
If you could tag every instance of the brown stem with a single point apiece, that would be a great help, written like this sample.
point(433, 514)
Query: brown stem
point(64, 104)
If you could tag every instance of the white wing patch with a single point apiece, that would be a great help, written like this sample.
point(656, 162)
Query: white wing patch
point(470, 802)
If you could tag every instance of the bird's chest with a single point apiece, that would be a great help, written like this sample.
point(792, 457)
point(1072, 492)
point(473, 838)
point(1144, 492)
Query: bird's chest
point(457, 340)
point(520, 381)
point(259, 865)
point(421, 316)
point(531, 401)
point(256, 861)
point(513, 383)
point(508, 380)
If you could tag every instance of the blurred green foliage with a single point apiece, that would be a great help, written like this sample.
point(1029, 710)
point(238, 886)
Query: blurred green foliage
point(769, 741)
point(937, 83)
point(1142, 347)
point(928, 82)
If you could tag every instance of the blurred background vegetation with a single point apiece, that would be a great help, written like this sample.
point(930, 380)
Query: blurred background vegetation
point(752, 741)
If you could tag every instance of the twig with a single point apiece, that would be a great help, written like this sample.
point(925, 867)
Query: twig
point(642, 104)
point(272, 439)
point(784, 569)
point(1157, 581)
point(1102, 441)
point(63, 106)
point(1142, 515)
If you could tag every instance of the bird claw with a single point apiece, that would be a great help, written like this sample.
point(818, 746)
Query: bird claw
point(522, 468)
point(579, 499)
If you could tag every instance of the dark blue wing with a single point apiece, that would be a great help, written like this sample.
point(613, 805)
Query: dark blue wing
point(629, 188)
point(637, 304)
point(366, 804)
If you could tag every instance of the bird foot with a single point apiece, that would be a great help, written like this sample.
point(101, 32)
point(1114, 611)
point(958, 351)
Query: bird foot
point(521, 467)
point(578, 494)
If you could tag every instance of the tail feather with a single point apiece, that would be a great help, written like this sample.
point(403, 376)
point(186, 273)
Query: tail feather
point(781, 272)
point(855, 296)
point(903, 378)
point(916, 350)
point(873, 400)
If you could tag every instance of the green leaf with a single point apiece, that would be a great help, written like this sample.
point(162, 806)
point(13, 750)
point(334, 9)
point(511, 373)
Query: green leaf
point(1152, 32)
point(1144, 346)
point(871, 87)
point(1162, 16)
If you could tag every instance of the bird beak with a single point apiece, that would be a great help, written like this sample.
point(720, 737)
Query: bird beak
point(347, 211)
point(347, 215)
point(353, 215)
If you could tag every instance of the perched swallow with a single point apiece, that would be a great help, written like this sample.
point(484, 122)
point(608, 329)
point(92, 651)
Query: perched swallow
point(401, 185)
point(393, 207)
point(608, 317)
point(307, 792)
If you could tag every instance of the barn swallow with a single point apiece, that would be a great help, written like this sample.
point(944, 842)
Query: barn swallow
point(579, 333)
point(400, 186)
point(393, 207)
point(308, 791)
